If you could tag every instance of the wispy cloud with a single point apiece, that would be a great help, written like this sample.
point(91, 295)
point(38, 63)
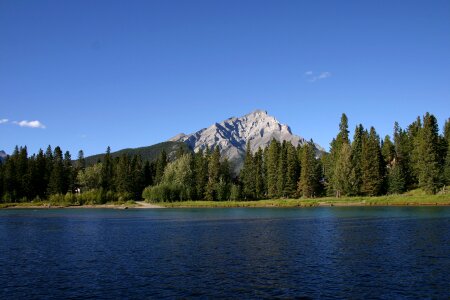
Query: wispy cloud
point(30, 124)
point(3, 121)
point(320, 76)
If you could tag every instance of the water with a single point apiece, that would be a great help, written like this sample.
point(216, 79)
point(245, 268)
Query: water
point(392, 252)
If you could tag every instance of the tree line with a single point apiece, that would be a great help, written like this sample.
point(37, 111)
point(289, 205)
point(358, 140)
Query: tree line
point(415, 157)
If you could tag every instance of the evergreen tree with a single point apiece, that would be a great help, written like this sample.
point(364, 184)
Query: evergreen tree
point(273, 156)
point(402, 160)
point(107, 174)
point(429, 170)
point(213, 175)
point(148, 177)
point(200, 174)
point(39, 175)
point(447, 153)
point(355, 177)
point(292, 171)
point(57, 179)
point(388, 151)
point(123, 180)
point(260, 188)
point(81, 162)
point(248, 175)
point(372, 165)
point(332, 178)
point(396, 179)
point(161, 164)
point(414, 140)
point(342, 171)
point(309, 182)
point(282, 166)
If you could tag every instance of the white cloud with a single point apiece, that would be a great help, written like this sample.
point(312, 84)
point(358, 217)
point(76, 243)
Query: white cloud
point(3, 121)
point(321, 76)
point(30, 124)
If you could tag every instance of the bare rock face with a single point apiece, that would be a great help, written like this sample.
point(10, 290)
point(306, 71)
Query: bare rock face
point(233, 134)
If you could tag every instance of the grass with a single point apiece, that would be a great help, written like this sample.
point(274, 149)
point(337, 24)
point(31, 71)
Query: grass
point(391, 200)
point(44, 204)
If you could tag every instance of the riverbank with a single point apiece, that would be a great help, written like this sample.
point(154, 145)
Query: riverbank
point(110, 205)
point(392, 200)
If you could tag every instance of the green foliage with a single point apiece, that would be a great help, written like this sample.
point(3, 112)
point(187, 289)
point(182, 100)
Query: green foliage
point(428, 162)
point(310, 176)
point(273, 155)
point(150, 153)
point(248, 175)
point(372, 164)
point(418, 156)
point(90, 178)
point(342, 171)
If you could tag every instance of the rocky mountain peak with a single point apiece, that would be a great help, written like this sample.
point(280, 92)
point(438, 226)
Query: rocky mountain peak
point(232, 135)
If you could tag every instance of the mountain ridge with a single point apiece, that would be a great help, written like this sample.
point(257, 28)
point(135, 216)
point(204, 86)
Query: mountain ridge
point(233, 134)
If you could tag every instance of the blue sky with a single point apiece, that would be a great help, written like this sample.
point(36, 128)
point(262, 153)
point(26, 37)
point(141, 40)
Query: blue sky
point(135, 73)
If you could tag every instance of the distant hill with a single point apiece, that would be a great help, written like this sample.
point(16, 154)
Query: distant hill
point(149, 153)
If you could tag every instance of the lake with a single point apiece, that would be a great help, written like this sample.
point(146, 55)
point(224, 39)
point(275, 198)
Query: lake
point(348, 252)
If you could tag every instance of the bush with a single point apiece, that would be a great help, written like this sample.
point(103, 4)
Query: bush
point(165, 192)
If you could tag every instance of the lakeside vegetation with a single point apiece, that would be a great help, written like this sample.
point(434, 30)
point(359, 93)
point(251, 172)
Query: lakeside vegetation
point(387, 200)
point(363, 169)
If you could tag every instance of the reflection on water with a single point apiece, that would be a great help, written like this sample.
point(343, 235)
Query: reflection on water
point(247, 253)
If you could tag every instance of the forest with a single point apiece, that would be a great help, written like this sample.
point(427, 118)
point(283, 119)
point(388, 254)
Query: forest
point(414, 157)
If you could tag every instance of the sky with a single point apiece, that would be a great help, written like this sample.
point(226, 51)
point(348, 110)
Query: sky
point(91, 74)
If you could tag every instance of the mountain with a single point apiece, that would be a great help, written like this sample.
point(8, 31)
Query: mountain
point(232, 135)
point(3, 155)
point(149, 153)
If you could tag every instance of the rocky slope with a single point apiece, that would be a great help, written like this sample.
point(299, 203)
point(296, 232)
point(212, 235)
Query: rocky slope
point(232, 135)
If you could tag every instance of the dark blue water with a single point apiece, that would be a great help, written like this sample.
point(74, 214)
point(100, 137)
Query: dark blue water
point(365, 253)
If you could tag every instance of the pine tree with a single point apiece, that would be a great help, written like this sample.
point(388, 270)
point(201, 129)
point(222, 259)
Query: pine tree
point(248, 175)
point(414, 139)
point(342, 171)
point(200, 174)
point(282, 166)
point(372, 165)
point(447, 152)
point(332, 177)
point(388, 151)
point(273, 156)
point(292, 171)
point(213, 175)
point(429, 170)
point(107, 174)
point(402, 146)
point(355, 177)
point(309, 182)
point(260, 174)
point(40, 177)
point(57, 181)
point(123, 179)
point(69, 174)
point(161, 164)
point(81, 162)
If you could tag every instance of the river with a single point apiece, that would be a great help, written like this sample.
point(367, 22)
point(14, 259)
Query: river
point(323, 252)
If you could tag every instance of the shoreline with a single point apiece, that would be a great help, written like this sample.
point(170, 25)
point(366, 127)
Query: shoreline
point(136, 205)
point(405, 201)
